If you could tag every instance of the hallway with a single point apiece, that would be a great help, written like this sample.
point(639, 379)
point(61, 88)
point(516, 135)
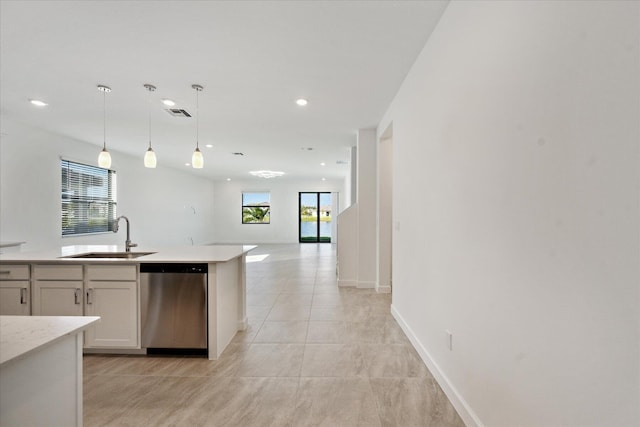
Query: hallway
point(313, 355)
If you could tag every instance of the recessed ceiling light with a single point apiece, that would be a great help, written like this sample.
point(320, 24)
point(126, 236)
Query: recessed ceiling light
point(266, 174)
point(323, 164)
point(187, 164)
point(168, 102)
point(209, 146)
point(324, 179)
point(302, 102)
point(38, 103)
point(228, 179)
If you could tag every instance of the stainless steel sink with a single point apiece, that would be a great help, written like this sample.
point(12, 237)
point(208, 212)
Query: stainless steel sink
point(119, 255)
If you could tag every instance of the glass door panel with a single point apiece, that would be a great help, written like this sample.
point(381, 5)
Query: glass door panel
point(325, 217)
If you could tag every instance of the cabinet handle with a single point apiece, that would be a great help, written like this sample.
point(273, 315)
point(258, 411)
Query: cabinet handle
point(23, 295)
point(76, 296)
point(89, 294)
point(5, 272)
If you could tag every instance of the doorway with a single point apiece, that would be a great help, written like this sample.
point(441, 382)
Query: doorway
point(314, 217)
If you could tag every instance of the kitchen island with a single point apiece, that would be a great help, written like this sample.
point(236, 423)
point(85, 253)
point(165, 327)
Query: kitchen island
point(102, 280)
point(41, 370)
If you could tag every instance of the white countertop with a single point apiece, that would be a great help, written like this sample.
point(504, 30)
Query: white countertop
point(168, 254)
point(20, 335)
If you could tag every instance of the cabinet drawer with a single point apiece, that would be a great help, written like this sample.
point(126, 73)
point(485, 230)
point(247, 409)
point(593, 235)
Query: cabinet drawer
point(112, 272)
point(14, 272)
point(57, 272)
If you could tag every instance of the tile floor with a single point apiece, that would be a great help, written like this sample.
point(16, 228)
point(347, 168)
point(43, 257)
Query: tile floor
point(313, 355)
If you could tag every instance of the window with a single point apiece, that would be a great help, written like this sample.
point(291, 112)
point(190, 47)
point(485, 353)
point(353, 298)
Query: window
point(256, 208)
point(88, 199)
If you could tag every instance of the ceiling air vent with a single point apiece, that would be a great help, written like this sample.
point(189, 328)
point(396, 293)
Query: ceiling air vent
point(178, 112)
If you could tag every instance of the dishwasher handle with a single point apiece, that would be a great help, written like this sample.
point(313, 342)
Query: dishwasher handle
point(174, 268)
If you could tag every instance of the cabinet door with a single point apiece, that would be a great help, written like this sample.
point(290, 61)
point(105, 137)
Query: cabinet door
point(14, 298)
point(57, 298)
point(117, 305)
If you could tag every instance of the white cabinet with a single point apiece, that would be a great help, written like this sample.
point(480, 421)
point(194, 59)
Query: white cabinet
point(15, 290)
point(108, 291)
point(111, 292)
point(58, 290)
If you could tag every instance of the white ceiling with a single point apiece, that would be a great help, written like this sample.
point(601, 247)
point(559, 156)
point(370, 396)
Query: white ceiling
point(254, 59)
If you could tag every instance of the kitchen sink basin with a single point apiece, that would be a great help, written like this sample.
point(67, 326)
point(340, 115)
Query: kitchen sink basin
point(119, 255)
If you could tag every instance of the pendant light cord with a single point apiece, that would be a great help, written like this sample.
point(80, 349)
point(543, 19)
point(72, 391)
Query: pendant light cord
point(197, 119)
point(104, 120)
point(149, 115)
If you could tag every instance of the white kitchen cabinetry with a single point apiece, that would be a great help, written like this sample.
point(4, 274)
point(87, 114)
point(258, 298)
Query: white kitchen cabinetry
point(111, 292)
point(15, 290)
point(108, 291)
point(58, 290)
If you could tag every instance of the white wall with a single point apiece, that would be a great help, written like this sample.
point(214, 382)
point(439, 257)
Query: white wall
point(160, 203)
point(284, 209)
point(367, 208)
point(385, 210)
point(516, 190)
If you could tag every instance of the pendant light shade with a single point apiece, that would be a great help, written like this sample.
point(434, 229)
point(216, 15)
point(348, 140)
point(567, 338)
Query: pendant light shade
point(150, 160)
point(104, 159)
point(197, 160)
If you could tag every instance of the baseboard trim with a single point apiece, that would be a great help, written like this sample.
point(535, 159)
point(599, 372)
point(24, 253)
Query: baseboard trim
point(383, 289)
point(243, 324)
point(464, 410)
point(366, 285)
point(347, 283)
point(115, 351)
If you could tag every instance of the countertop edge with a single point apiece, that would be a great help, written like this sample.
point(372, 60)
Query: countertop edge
point(56, 328)
point(209, 254)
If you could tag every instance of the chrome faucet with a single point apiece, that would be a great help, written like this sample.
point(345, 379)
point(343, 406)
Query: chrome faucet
point(127, 244)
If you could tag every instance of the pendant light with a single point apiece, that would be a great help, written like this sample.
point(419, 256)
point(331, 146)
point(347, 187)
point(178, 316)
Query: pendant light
point(197, 160)
point(104, 159)
point(150, 160)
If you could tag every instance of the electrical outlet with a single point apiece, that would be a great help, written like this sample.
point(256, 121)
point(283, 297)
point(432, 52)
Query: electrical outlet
point(449, 340)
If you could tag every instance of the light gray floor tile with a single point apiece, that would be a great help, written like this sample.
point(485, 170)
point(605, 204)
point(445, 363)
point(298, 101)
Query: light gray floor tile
point(327, 332)
point(328, 313)
point(247, 336)
point(333, 360)
point(335, 402)
point(413, 402)
point(96, 364)
point(327, 300)
point(294, 299)
point(240, 402)
point(282, 332)
point(143, 365)
point(392, 360)
point(108, 397)
point(262, 300)
point(272, 360)
point(288, 312)
point(376, 330)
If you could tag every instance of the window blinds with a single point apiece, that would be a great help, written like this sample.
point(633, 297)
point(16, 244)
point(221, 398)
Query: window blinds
point(88, 199)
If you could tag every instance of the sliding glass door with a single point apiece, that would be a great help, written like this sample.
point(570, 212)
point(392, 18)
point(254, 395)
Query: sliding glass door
point(314, 217)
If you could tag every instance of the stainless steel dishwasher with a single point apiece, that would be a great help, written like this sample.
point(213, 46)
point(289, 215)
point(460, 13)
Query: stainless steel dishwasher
point(173, 304)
